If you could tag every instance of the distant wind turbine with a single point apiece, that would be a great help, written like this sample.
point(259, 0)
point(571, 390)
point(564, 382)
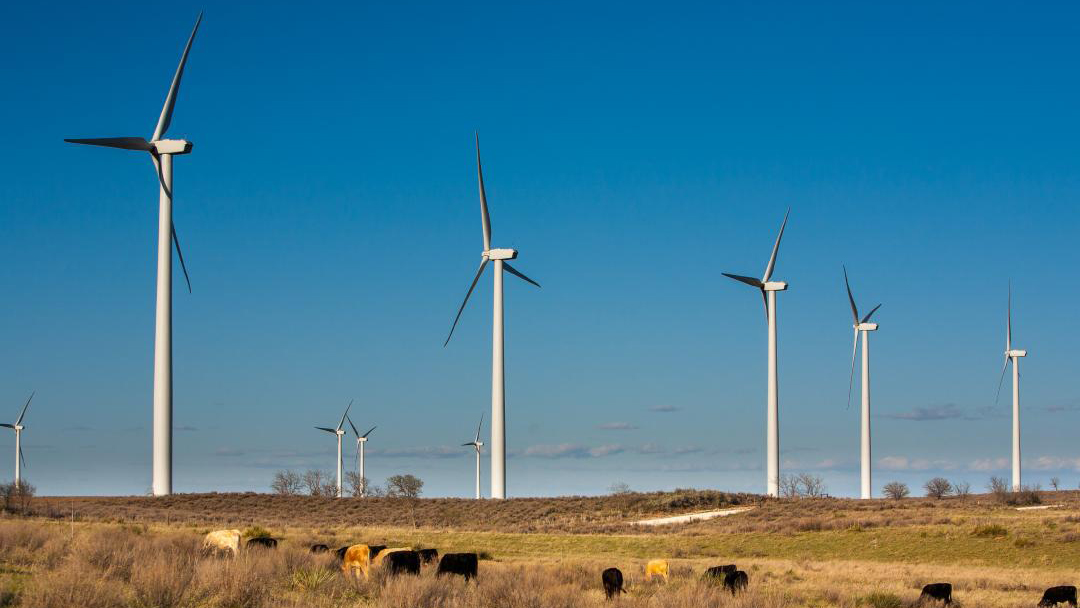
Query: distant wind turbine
point(863, 326)
point(768, 293)
point(498, 385)
point(1012, 354)
point(361, 440)
point(338, 432)
point(477, 444)
point(161, 153)
point(20, 461)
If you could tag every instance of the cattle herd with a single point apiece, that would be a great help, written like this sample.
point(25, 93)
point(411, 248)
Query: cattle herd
point(360, 559)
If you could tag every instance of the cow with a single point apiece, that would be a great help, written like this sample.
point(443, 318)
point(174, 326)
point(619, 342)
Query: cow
point(1064, 594)
point(736, 581)
point(261, 542)
point(463, 564)
point(222, 542)
point(937, 592)
point(719, 572)
point(428, 556)
point(656, 567)
point(612, 579)
point(398, 562)
point(377, 560)
point(356, 558)
point(376, 549)
point(340, 552)
point(319, 548)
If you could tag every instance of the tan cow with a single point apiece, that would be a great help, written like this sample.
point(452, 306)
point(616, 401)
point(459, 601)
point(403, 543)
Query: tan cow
point(357, 557)
point(379, 558)
point(656, 567)
point(222, 542)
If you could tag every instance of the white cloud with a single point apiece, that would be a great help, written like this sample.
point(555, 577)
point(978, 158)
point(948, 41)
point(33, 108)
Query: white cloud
point(617, 426)
point(988, 464)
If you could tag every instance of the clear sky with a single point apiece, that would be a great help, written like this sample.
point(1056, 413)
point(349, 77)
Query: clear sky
point(632, 151)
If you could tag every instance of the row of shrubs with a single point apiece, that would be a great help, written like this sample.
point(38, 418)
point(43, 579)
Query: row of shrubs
point(939, 488)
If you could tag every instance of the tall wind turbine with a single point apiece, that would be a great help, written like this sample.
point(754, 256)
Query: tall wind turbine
point(161, 152)
point(338, 432)
point(1012, 354)
point(498, 385)
point(18, 428)
point(361, 440)
point(477, 444)
point(768, 294)
point(863, 326)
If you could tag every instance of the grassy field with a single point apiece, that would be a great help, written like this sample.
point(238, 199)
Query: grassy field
point(541, 552)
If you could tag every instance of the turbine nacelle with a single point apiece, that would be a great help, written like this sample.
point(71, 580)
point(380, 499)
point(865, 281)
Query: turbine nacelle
point(866, 327)
point(171, 146)
point(1016, 353)
point(774, 286)
point(500, 254)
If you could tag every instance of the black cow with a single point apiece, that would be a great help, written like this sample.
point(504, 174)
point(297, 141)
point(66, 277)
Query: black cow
point(428, 556)
point(736, 581)
point(373, 550)
point(1065, 594)
point(612, 579)
point(458, 563)
point(938, 592)
point(262, 542)
point(320, 548)
point(398, 562)
point(340, 553)
point(719, 572)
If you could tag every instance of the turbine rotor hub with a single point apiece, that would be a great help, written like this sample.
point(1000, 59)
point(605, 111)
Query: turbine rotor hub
point(500, 254)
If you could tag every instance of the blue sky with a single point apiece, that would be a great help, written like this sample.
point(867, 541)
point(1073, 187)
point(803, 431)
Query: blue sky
point(632, 153)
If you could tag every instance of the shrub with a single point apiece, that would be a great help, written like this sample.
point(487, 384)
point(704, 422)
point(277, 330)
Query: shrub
point(990, 531)
point(404, 486)
point(962, 489)
point(257, 532)
point(880, 599)
point(896, 490)
point(938, 487)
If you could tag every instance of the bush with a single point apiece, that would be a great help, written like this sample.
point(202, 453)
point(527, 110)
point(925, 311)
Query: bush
point(880, 599)
point(896, 490)
point(962, 489)
point(404, 486)
point(990, 531)
point(17, 496)
point(257, 532)
point(938, 487)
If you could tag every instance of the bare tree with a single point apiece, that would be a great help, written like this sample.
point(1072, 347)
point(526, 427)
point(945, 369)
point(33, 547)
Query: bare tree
point(789, 486)
point(938, 487)
point(287, 483)
point(998, 487)
point(1055, 482)
point(896, 490)
point(404, 486)
point(803, 485)
point(319, 483)
point(962, 489)
point(356, 484)
point(619, 487)
point(16, 496)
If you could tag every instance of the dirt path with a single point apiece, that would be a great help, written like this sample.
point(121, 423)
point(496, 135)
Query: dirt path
point(689, 517)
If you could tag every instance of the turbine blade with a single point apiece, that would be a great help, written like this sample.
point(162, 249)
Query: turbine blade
point(369, 432)
point(870, 314)
point(851, 379)
point(23, 412)
point(479, 272)
point(748, 280)
point(174, 89)
point(1008, 321)
point(1004, 367)
point(851, 299)
point(21, 457)
point(180, 254)
point(355, 432)
point(485, 219)
point(514, 271)
point(10, 426)
point(478, 427)
point(323, 428)
point(124, 143)
point(340, 424)
point(776, 247)
point(468, 444)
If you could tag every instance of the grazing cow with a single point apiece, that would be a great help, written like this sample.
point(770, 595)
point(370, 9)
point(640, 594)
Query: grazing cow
point(428, 556)
point(356, 558)
point(937, 592)
point(719, 572)
point(612, 579)
point(463, 564)
point(261, 542)
point(736, 581)
point(340, 552)
point(656, 567)
point(398, 562)
point(222, 542)
point(377, 560)
point(1065, 594)
point(376, 549)
point(320, 548)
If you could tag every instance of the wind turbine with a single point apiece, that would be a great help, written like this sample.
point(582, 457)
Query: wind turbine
point(161, 152)
point(476, 443)
point(1012, 354)
point(863, 326)
point(768, 294)
point(338, 432)
point(18, 428)
point(361, 440)
point(498, 385)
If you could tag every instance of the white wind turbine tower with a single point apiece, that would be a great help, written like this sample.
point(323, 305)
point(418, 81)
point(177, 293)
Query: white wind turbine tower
point(161, 153)
point(477, 444)
point(1012, 354)
point(361, 440)
point(863, 326)
point(498, 385)
point(768, 293)
point(338, 432)
point(19, 428)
